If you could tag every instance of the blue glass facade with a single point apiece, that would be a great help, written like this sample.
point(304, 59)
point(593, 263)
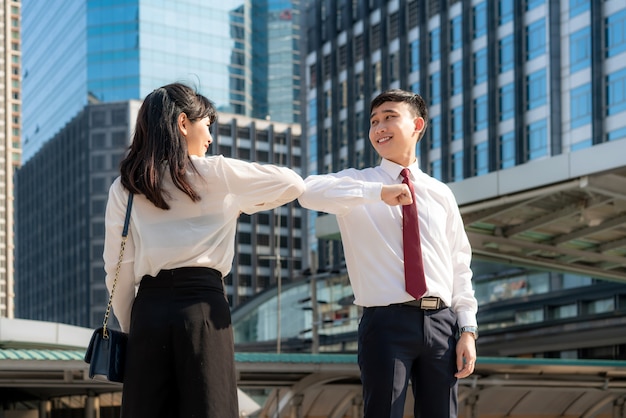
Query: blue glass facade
point(120, 50)
point(54, 84)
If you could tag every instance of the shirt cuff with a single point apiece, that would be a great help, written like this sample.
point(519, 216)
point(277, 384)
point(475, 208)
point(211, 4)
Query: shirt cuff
point(372, 191)
point(466, 319)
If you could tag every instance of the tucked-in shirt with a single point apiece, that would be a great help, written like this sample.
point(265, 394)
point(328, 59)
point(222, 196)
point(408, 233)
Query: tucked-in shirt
point(371, 232)
point(189, 234)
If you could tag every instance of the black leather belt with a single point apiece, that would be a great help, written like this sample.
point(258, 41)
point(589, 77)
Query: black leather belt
point(426, 303)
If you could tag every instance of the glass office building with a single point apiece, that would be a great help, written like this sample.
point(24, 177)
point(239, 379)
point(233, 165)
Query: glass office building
point(527, 107)
point(276, 60)
point(103, 51)
point(507, 82)
point(82, 56)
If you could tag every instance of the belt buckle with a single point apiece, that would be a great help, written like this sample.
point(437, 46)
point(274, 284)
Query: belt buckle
point(429, 303)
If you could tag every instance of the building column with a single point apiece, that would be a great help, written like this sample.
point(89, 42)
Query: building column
point(471, 406)
point(45, 408)
point(296, 406)
point(92, 406)
point(357, 407)
point(619, 410)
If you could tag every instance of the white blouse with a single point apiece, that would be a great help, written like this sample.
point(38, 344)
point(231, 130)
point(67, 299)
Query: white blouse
point(189, 234)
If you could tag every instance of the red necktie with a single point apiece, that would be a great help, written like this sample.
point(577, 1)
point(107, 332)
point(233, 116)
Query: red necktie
point(414, 278)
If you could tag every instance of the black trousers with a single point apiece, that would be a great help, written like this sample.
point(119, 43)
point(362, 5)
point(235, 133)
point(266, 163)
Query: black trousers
point(180, 360)
point(401, 342)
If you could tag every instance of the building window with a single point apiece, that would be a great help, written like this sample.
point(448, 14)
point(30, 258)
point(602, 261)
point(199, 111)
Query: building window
point(480, 113)
point(393, 26)
point(564, 311)
point(581, 145)
point(413, 14)
point(531, 4)
point(377, 76)
point(359, 83)
point(480, 66)
point(394, 67)
point(358, 47)
point(616, 33)
point(457, 123)
point(580, 49)
point(434, 44)
point(535, 39)
point(536, 89)
point(479, 19)
point(456, 78)
point(537, 139)
point(375, 37)
point(312, 113)
point(415, 87)
point(435, 88)
point(507, 101)
point(616, 92)
point(505, 11)
point(601, 306)
point(342, 57)
point(507, 150)
point(456, 33)
point(580, 103)
point(328, 104)
point(506, 54)
point(529, 317)
point(435, 169)
point(481, 158)
point(457, 166)
point(577, 7)
point(415, 56)
point(435, 131)
point(616, 134)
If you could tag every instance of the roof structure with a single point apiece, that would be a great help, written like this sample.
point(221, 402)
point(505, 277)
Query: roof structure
point(566, 213)
point(328, 385)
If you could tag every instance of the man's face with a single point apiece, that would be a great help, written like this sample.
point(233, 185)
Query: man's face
point(394, 131)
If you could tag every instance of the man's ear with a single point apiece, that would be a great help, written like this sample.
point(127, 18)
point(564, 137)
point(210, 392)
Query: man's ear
point(419, 124)
point(182, 121)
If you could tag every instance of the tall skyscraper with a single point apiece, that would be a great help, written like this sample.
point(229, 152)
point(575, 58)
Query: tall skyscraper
point(84, 58)
point(10, 147)
point(84, 51)
point(527, 108)
point(276, 60)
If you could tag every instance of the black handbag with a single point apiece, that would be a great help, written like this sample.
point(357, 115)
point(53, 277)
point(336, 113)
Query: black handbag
point(107, 348)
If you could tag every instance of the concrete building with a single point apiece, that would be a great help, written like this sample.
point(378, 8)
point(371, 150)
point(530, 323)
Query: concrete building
point(528, 127)
point(61, 200)
point(10, 146)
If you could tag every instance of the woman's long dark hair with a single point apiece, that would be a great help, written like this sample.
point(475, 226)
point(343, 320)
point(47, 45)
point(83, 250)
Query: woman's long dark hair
point(158, 143)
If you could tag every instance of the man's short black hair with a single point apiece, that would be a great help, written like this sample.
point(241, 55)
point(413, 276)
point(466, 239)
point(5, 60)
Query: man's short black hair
point(414, 100)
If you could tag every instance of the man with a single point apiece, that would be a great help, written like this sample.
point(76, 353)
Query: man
point(425, 333)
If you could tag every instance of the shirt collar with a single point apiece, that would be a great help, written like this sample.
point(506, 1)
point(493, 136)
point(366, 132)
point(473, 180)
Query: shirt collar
point(393, 169)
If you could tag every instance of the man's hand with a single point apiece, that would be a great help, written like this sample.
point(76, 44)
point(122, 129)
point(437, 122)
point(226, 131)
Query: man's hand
point(396, 194)
point(465, 355)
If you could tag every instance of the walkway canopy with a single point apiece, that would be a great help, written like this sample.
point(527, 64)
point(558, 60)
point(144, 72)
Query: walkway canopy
point(327, 385)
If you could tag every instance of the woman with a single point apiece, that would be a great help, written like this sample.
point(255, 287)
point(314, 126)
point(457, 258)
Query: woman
point(180, 360)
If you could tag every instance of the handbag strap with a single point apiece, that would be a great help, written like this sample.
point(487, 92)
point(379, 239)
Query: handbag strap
point(105, 322)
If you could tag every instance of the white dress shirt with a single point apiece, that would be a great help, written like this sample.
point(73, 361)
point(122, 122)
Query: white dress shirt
point(189, 234)
point(371, 232)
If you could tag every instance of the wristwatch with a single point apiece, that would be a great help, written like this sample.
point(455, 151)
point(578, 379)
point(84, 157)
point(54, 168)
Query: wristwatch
point(471, 329)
